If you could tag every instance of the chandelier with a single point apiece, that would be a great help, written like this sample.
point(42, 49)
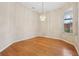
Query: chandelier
point(42, 16)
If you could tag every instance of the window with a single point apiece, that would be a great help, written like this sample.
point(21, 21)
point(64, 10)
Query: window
point(68, 22)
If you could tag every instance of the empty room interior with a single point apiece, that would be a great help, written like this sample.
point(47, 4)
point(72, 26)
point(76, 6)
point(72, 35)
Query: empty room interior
point(39, 29)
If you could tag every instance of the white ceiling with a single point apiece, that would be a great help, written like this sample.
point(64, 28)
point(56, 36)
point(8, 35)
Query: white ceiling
point(48, 6)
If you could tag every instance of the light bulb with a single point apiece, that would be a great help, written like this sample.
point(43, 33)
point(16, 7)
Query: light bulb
point(42, 17)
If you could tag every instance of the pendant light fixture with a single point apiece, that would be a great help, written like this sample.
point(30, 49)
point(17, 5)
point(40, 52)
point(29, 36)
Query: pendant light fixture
point(42, 16)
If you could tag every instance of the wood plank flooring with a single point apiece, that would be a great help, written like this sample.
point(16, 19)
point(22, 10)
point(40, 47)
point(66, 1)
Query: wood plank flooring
point(40, 46)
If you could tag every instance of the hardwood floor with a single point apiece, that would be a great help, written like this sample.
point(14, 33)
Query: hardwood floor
point(40, 46)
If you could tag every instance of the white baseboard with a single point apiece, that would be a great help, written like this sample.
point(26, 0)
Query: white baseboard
point(6, 46)
point(26, 38)
point(58, 39)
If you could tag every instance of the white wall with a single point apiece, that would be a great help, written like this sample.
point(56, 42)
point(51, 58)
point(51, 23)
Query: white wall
point(16, 23)
point(5, 28)
point(77, 40)
point(26, 22)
